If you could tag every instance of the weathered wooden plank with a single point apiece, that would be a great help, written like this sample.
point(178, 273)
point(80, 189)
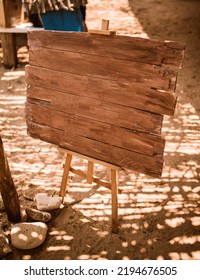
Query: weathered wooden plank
point(121, 47)
point(124, 93)
point(110, 68)
point(137, 78)
point(100, 110)
point(151, 166)
point(143, 143)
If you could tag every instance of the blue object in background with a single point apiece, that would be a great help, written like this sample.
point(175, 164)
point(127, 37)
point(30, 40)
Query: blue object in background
point(63, 20)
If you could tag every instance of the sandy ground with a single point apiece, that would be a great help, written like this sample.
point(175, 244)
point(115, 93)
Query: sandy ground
point(158, 219)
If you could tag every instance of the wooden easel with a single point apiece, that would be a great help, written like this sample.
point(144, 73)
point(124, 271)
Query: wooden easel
point(113, 185)
point(90, 117)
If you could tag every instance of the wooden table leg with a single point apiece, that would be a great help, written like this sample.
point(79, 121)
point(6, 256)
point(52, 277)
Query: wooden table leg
point(9, 50)
point(114, 191)
point(65, 175)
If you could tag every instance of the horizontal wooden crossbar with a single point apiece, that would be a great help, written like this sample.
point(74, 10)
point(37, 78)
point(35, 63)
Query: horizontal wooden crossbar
point(84, 175)
point(108, 165)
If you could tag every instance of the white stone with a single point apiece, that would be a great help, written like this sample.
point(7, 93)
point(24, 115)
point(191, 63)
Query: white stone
point(28, 235)
point(46, 203)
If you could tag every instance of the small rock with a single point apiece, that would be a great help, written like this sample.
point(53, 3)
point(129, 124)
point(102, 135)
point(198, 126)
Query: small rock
point(47, 203)
point(28, 235)
point(4, 244)
point(29, 193)
point(38, 215)
point(4, 248)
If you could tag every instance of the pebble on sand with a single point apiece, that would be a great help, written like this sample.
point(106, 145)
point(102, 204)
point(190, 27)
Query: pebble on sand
point(37, 215)
point(28, 235)
point(47, 203)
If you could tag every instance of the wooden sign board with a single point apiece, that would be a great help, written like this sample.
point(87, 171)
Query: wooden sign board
point(102, 96)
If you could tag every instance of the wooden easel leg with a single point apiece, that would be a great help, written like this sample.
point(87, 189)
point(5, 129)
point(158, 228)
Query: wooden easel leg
point(114, 193)
point(65, 175)
point(90, 169)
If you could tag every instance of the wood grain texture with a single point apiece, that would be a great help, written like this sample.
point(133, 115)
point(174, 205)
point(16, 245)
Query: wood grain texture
point(102, 96)
point(91, 65)
point(150, 51)
point(147, 144)
point(126, 93)
point(151, 166)
point(100, 110)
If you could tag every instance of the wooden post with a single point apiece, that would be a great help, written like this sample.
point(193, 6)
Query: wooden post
point(7, 189)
